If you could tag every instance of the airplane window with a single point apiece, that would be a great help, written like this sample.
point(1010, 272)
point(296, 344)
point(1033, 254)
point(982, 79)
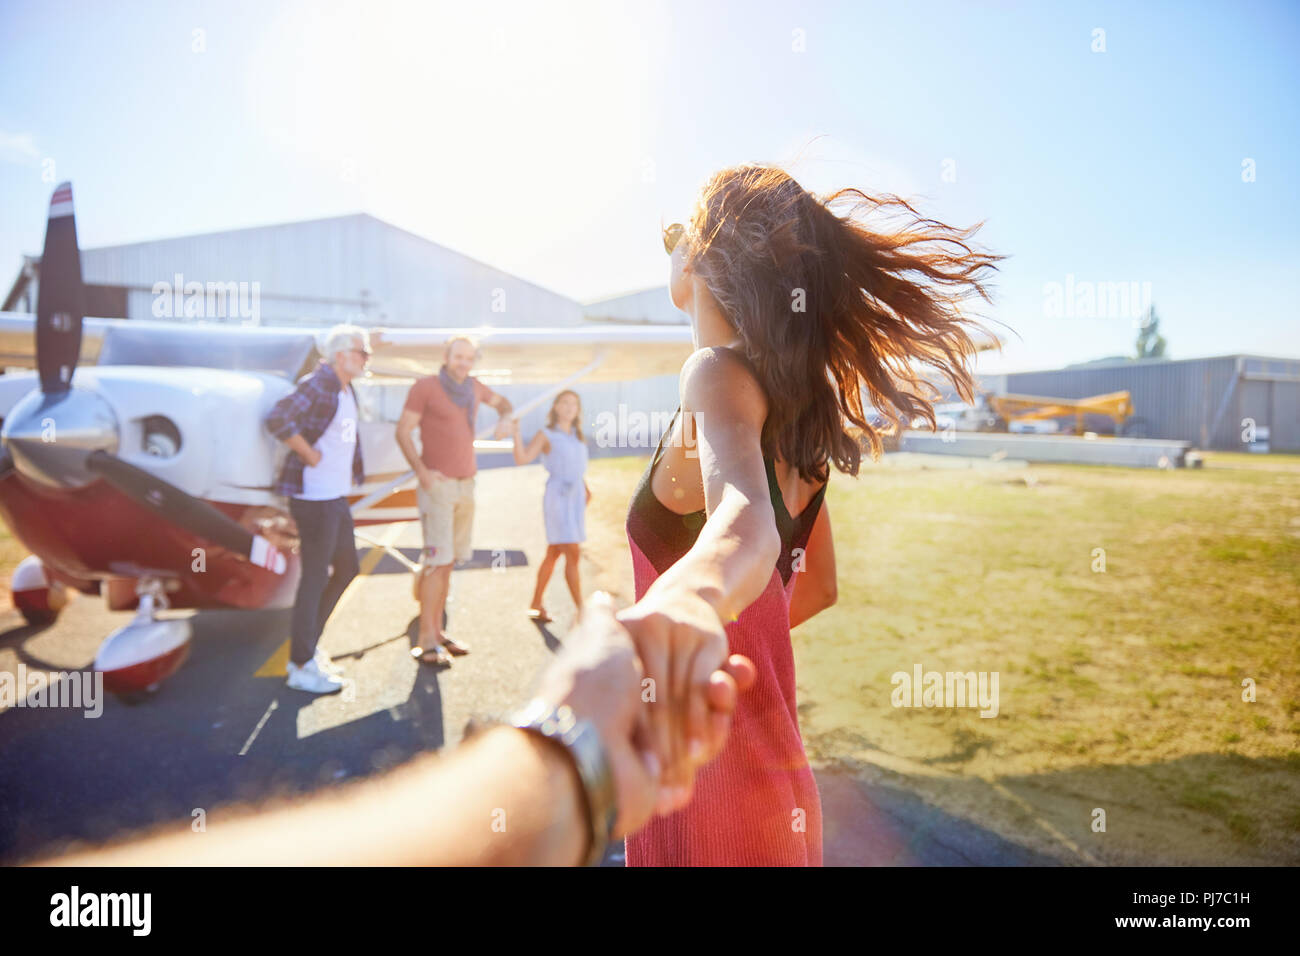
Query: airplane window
point(286, 353)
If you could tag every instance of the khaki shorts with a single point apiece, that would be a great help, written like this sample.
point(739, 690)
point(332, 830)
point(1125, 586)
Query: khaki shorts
point(447, 519)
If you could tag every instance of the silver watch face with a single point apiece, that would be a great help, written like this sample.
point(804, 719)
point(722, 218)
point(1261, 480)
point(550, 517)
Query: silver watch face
point(530, 713)
point(562, 722)
point(551, 721)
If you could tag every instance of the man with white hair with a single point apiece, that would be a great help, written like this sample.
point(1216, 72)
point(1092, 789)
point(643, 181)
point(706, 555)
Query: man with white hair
point(318, 422)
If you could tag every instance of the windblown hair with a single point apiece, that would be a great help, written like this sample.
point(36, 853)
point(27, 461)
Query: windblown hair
point(551, 418)
point(826, 306)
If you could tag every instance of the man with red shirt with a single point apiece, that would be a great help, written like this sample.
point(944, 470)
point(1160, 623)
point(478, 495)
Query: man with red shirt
point(445, 407)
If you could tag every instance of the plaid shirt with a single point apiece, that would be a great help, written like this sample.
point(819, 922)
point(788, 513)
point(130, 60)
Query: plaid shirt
point(309, 411)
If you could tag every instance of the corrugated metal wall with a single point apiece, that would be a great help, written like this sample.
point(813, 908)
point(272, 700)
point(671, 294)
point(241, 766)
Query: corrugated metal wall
point(1285, 421)
point(1197, 400)
point(330, 270)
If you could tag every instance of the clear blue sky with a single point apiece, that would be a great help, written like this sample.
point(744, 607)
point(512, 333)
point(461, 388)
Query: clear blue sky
point(549, 140)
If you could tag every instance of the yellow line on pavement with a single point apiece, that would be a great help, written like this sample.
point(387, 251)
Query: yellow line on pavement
point(277, 665)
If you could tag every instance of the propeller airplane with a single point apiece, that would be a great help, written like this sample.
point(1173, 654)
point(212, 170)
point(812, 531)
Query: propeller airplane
point(134, 462)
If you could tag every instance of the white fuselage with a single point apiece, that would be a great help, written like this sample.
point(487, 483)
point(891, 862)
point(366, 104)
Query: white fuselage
point(226, 454)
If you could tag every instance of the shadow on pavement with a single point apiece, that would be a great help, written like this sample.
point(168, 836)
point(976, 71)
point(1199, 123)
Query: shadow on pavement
point(213, 734)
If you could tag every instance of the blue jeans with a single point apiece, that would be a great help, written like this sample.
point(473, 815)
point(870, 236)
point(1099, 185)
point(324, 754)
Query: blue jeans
point(329, 563)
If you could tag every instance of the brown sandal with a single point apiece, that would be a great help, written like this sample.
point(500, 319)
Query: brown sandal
point(440, 659)
point(454, 647)
point(541, 617)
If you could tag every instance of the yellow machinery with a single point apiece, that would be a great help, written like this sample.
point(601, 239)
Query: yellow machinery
point(1012, 408)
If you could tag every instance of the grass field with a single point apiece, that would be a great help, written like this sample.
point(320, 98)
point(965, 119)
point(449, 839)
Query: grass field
point(1120, 689)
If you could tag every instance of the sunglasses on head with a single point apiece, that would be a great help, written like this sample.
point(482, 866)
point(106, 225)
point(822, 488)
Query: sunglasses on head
point(673, 235)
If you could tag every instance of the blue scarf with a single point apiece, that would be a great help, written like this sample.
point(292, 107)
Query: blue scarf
point(461, 393)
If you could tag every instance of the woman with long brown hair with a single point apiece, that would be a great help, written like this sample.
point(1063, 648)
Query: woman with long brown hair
point(795, 310)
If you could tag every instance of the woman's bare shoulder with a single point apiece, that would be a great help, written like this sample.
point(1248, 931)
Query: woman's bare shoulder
point(720, 379)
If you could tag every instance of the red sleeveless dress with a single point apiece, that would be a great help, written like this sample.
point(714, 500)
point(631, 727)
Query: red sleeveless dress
point(756, 803)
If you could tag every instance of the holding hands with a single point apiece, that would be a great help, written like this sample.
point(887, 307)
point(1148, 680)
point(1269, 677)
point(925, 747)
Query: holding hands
point(650, 684)
point(683, 651)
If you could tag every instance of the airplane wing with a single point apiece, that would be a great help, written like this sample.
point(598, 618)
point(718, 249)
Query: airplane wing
point(535, 356)
point(506, 355)
point(609, 353)
point(18, 340)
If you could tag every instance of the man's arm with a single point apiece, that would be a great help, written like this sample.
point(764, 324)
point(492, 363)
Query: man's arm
point(298, 445)
point(500, 403)
point(437, 811)
point(406, 425)
point(494, 400)
point(284, 422)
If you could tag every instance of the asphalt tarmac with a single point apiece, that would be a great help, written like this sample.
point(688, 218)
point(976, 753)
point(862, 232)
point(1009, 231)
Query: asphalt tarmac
point(227, 729)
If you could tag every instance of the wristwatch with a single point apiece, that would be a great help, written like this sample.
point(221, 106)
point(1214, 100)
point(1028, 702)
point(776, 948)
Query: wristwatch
point(581, 742)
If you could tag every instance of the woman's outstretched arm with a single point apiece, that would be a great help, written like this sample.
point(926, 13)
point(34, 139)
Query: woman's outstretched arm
point(527, 453)
point(733, 557)
point(678, 624)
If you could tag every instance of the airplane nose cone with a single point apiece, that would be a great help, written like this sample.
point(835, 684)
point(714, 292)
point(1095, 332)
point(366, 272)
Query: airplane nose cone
point(51, 436)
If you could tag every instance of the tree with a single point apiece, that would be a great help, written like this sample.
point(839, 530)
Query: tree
point(1150, 343)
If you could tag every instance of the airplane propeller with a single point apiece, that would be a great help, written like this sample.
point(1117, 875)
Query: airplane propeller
point(183, 509)
point(62, 299)
point(67, 437)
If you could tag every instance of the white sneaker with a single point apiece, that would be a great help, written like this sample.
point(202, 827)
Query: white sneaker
point(311, 678)
point(324, 663)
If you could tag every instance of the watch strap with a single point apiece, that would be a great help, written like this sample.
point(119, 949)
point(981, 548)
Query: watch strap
point(581, 741)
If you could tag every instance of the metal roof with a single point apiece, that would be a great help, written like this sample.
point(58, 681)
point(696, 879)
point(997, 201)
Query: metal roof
point(322, 271)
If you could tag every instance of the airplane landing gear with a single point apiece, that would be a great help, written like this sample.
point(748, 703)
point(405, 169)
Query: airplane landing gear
point(37, 595)
point(137, 658)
